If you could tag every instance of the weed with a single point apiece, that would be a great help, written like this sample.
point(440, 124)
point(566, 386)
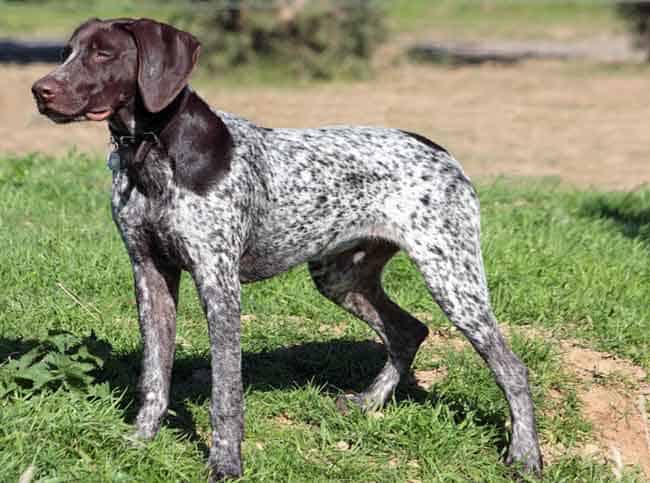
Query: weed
point(60, 360)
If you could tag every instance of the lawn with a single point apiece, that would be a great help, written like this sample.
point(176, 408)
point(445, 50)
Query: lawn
point(542, 19)
point(503, 19)
point(560, 261)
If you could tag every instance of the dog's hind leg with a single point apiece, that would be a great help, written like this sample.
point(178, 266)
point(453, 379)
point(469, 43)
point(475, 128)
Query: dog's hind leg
point(447, 250)
point(352, 279)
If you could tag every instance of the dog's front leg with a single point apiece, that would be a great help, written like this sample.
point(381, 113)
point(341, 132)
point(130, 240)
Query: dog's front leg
point(219, 290)
point(156, 289)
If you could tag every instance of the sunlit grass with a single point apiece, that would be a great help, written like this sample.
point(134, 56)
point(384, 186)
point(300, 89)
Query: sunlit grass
point(577, 262)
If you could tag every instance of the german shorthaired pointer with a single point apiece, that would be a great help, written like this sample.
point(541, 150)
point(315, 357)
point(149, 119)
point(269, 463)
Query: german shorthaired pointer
point(230, 202)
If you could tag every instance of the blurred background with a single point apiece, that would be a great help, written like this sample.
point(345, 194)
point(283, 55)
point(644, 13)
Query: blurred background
point(541, 88)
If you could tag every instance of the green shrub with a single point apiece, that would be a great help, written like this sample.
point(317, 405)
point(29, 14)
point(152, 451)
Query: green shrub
point(637, 16)
point(319, 39)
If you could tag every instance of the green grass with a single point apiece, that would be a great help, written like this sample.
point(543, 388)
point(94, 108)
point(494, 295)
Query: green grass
point(505, 18)
point(51, 19)
point(460, 18)
point(575, 262)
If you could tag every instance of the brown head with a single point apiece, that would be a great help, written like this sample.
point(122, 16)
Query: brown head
point(109, 63)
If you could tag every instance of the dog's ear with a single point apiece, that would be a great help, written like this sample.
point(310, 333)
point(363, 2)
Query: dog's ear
point(166, 57)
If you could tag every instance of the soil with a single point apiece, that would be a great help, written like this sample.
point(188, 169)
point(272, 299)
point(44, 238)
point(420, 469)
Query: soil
point(581, 122)
point(613, 393)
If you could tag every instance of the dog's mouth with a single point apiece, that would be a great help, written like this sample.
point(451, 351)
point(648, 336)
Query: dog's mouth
point(99, 115)
point(59, 116)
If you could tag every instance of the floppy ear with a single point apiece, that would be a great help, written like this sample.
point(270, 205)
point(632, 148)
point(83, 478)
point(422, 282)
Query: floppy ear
point(166, 57)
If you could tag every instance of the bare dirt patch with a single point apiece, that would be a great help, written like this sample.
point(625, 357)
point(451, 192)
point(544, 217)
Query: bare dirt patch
point(284, 420)
point(613, 393)
point(582, 122)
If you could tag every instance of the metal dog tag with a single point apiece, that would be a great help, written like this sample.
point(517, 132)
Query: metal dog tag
point(113, 161)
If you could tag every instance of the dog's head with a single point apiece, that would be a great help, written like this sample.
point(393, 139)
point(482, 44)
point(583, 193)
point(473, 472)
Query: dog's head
point(108, 63)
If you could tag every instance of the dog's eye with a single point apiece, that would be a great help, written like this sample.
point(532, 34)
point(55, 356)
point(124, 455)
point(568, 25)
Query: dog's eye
point(103, 55)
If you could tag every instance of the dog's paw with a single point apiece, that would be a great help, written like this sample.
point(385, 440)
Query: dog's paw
point(135, 441)
point(146, 429)
point(148, 421)
point(224, 474)
point(346, 402)
point(525, 462)
point(225, 465)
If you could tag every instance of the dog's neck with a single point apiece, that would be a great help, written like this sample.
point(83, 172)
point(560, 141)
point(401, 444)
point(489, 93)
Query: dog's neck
point(187, 136)
point(133, 119)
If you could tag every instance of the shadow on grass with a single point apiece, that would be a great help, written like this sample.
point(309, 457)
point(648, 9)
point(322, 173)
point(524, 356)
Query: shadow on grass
point(337, 366)
point(12, 348)
point(629, 212)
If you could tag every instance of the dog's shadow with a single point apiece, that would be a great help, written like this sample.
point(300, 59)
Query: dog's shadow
point(337, 366)
point(629, 214)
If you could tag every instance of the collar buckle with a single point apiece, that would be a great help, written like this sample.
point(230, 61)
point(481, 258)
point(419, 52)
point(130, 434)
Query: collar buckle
point(137, 139)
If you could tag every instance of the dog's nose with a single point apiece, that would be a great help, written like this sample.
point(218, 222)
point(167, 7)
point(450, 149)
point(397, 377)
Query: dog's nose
point(45, 89)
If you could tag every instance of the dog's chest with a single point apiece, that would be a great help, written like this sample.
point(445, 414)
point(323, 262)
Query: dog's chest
point(147, 222)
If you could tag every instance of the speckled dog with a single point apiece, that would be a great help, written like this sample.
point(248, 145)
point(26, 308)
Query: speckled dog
point(230, 202)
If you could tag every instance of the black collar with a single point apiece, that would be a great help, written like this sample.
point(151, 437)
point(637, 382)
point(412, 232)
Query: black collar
point(141, 143)
point(127, 140)
point(138, 144)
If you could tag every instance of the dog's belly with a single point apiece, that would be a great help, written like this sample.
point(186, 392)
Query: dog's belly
point(282, 250)
point(262, 262)
point(253, 269)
